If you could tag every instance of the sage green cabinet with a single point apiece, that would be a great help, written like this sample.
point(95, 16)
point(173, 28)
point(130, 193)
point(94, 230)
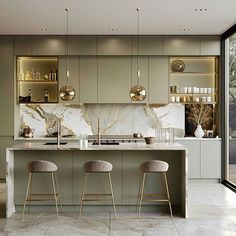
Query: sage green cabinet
point(148, 45)
point(114, 45)
point(194, 157)
point(158, 80)
point(82, 45)
point(143, 67)
point(48, 45)
point(7, 85)
point(211, 159)
point(23, 45)
point(88, 79)
point(181, 45)
point(114, 79)
point(73, 67)
point(210, 45)
point(204, 158)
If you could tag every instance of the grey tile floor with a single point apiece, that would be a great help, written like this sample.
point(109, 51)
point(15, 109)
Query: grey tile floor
point(212, 212)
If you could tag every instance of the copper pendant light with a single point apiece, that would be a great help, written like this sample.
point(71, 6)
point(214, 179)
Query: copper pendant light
point(67, 92)
point(138, 92)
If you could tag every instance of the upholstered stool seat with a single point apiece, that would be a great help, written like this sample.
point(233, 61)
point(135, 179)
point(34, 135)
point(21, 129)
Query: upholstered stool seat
point(97, 166)
point(153, 166)
point(42, 167)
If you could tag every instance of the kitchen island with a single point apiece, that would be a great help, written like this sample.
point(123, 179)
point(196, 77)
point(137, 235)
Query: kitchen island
point(70, 157)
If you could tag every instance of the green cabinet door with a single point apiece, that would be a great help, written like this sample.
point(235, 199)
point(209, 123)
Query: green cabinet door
point(181, 45)
point(158, 80)
point(194, 157)
point(114, 45)
point(7, 85)
point(148, 45)
point(114, 79)
point(82, 45)
point(73, 67)
point(143, 67)
point(210, 45)
point(88, 79)
point(48, 45)
point(211, 159)
point(23, 45)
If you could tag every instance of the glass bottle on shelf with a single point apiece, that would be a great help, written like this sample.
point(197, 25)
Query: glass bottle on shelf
point(46, 95)
point(29, 95)
point(27, 75)
point(21, 75)
point(38, 75)
point(32, 74)
point(51, 76)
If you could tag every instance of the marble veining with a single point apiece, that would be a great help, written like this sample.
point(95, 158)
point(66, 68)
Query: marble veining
point(115, 119)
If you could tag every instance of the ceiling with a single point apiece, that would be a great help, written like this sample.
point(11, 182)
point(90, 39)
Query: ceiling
point(117, 16)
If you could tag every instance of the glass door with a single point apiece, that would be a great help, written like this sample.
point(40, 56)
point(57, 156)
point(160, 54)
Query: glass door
point(231, 78)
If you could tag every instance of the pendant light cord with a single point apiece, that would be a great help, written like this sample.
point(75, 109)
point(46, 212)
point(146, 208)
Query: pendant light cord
point(67, 36)
point(138, 71)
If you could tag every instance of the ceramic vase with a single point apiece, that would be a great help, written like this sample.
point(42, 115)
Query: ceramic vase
point(199, 133)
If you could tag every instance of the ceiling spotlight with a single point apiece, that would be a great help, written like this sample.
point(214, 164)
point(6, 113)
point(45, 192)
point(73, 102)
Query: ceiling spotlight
point(46, 29)
point(185, 29)
point(113, 29)
point(200, 9)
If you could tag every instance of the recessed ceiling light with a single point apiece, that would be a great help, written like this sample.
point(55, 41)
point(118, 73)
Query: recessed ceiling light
point(46, 29)
point(185, 29)
point(113, 29)
point(200, 9)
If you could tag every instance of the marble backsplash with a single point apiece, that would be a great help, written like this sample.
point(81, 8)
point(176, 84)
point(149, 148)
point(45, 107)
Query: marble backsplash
point(115, 119)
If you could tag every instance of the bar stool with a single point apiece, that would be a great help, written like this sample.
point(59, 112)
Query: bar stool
point(153, 166)
point(97, 166)
point(42, 167)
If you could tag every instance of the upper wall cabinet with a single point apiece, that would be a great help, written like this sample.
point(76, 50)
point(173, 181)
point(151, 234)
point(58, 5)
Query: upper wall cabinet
point(114, 45)
point(210, 45)
point(181, 45)
point(73, 67)
point(7, 85)
point(114, 79)
point(88, 79)
point(23, 45)
point(48, 45)
point(82, 45)
point(148, 45)
point(158, 80)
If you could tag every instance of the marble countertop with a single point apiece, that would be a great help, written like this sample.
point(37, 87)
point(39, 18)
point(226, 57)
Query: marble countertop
point(76, 146)
point(94, 137)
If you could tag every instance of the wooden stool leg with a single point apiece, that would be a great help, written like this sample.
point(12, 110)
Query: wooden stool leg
point(57, 189)
point(141, 197)
point(112, 195)
point(82, 196)
point(26, 195)
point(168, 194)
point(55, 194)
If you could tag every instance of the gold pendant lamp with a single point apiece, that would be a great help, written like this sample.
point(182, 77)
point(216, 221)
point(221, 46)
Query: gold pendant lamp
point(67, 92)
point(138, 92)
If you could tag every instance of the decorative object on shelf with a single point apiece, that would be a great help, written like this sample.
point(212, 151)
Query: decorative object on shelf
point(138, 92)
point(177, 66)
point(197, 118)
point(67, 92)
point(199, 133)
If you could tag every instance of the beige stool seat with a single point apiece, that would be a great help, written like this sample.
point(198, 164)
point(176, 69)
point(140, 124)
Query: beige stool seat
point(153, 166)
point(42, 167)
point(97, 166)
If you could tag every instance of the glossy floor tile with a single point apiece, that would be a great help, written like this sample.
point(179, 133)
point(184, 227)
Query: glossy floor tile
point(212, 212)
